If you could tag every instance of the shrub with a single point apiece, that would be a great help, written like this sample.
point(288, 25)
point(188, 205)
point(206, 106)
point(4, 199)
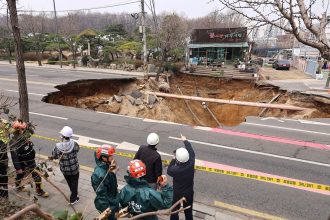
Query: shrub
point(84, 60)
point(53, 59)
point(138, 63)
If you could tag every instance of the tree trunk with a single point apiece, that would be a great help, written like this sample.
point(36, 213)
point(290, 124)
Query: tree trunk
point(9, 54)
point(38, 57)
point(112, 57)
point(74, 56)
point(20, 68)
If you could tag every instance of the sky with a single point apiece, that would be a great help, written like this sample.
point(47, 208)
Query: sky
point(189, 8)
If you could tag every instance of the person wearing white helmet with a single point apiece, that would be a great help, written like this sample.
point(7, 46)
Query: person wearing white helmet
point(181, 168)
point(148, 154)
point(66, 152)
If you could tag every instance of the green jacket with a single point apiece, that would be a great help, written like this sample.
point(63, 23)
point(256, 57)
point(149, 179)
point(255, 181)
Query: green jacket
point(141, 198)
point(106, 193)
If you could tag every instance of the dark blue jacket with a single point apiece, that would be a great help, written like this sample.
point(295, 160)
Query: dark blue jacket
point(183, 173)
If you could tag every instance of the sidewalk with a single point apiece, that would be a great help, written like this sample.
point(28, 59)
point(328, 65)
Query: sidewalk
point(85, 69)
point(56, 201)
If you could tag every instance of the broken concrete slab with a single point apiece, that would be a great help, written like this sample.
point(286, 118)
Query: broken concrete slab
point(138, 101)
point(118, 98)
point(130, 99)
point(151, 99)
point(109, 101)
point(136, 94)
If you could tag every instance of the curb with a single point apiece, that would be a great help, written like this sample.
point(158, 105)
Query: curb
point(105, 71)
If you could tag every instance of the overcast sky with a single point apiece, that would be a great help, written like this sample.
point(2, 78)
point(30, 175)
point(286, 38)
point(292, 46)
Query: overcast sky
point(189, 8)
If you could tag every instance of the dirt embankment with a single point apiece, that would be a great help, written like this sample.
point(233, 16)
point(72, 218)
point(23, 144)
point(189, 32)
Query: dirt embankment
point(127, 97)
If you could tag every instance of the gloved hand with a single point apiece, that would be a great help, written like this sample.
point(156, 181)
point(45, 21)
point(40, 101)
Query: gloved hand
point(162, 180)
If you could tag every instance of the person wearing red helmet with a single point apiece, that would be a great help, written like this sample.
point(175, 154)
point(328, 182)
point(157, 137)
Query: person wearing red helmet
point(139, 197)
point(104, 180)
point(23, 155)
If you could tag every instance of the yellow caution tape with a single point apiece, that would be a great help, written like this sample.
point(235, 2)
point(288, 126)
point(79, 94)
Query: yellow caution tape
point(280, 181)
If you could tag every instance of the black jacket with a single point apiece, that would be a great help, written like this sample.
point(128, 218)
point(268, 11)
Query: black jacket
point(183, 173)
point(151, 158)
point(22, 152)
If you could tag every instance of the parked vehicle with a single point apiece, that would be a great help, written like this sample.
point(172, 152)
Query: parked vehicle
point(281, 64)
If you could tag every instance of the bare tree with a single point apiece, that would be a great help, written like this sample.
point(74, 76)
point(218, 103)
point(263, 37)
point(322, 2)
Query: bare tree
point(69, 29)
point(20, 67)
point(173, 34)
point(34, 28)
point(293, 16)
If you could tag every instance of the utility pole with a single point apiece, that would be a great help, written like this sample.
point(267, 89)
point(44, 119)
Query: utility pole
point(144, 38)
point(58, 37)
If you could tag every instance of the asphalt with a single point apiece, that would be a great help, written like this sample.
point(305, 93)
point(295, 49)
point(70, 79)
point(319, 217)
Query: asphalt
point(210, 188)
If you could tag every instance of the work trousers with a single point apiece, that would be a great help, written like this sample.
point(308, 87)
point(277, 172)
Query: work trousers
point(72, 181)
point(188, 212)
point(29, 167)
point(3, 171)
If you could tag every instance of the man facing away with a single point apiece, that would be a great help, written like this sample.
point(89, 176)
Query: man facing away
point(151, 158)
point(181, 168)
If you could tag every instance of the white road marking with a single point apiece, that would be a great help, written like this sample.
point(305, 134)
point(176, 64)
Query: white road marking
point(273, 118)
point(256, 152)
point(113, 114)
point(283, 128)
point(161, 121)
point(50, 116)
point(30, 93)
point(86, 139)
point(29, 82)
point(306, 122)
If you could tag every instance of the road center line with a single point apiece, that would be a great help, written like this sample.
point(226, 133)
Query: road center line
point(30, 93)
point(29, 82)
point(283, 128)
point(50, 116)
point(256, 152)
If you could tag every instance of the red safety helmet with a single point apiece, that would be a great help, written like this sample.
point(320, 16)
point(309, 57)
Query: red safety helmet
point(105, 151)
point(18, 124)
point(137, 169)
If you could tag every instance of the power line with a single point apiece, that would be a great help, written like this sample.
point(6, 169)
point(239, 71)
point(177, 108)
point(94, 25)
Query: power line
point(82, 9)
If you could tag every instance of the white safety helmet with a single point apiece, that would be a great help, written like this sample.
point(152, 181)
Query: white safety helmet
point(153, 139)
point(66, 131)
point(182, 155)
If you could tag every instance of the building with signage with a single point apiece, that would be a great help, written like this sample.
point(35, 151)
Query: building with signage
point(217, 45)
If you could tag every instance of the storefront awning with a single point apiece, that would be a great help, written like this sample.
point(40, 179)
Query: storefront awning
point(223, 45)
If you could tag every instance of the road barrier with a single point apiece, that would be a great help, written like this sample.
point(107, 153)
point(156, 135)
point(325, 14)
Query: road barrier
point(279, 181)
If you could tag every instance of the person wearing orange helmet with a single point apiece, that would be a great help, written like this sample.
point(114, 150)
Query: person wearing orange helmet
point(104, 180)
point(23, 155)
point(139, 197)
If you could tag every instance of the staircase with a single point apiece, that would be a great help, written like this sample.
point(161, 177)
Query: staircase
point(223, 72)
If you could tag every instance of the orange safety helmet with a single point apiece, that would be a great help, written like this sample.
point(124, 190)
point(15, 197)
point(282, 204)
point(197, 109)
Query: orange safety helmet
point(105, 151)
point(19, 125)
point(137, 169)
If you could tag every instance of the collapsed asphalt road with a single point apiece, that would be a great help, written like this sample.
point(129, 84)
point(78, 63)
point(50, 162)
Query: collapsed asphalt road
point(290, 148)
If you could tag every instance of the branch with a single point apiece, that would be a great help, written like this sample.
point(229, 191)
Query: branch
point(168, 211)
point(58, 189)
point(34, 208)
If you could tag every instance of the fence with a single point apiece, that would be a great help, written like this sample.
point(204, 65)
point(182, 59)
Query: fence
point(307, 66)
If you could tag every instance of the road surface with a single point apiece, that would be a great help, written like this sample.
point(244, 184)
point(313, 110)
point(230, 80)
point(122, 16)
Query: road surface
point(283, 149)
